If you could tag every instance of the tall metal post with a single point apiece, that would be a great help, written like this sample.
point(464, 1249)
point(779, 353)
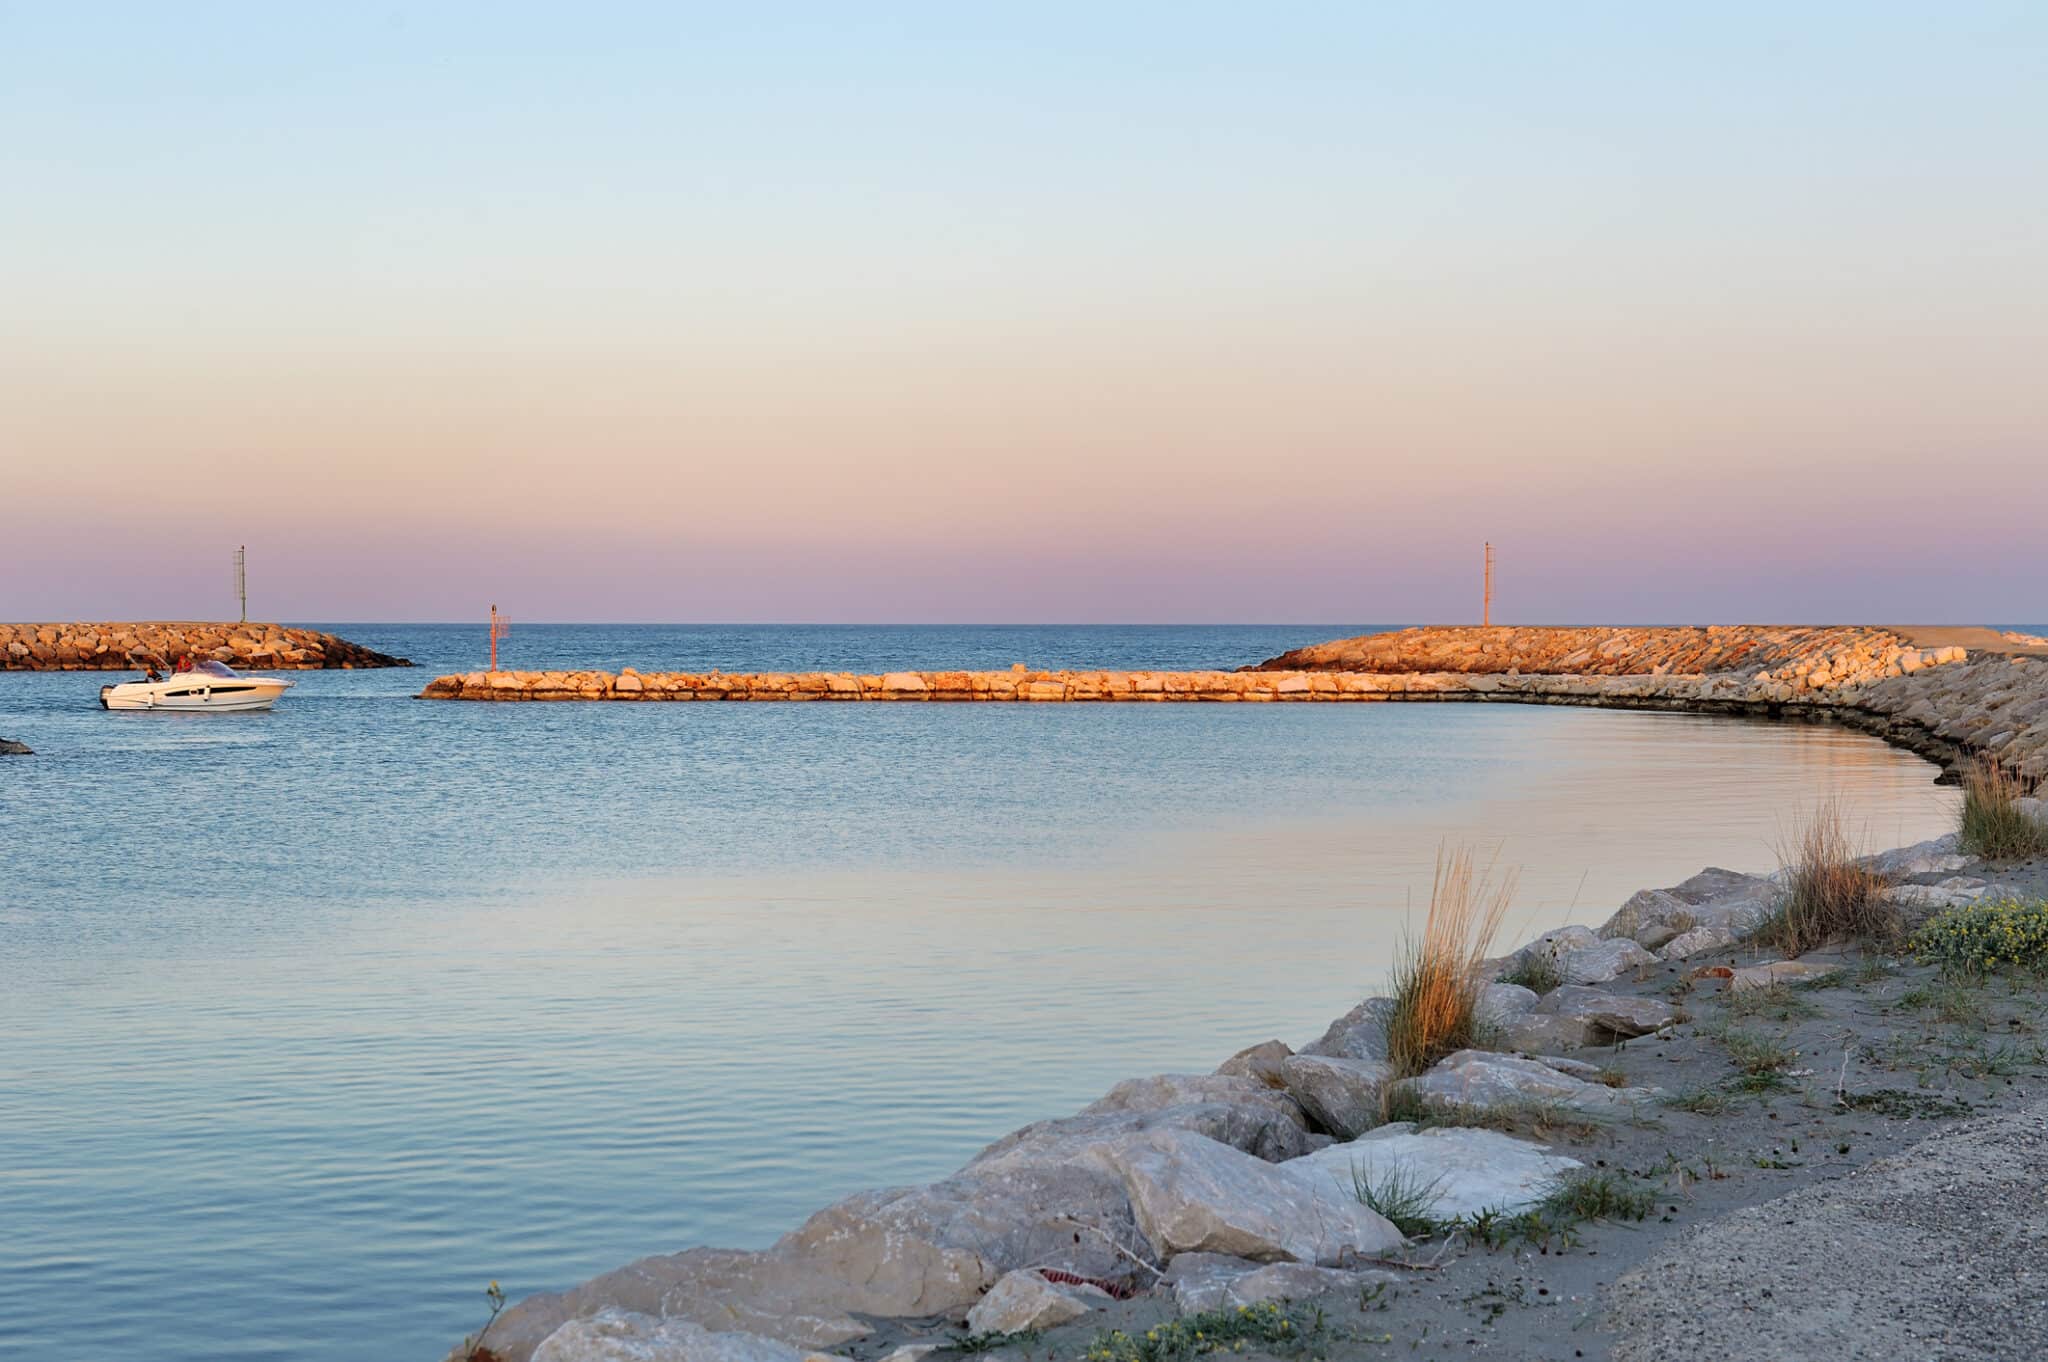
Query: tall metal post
point(1486, 608)
point(494, 638)
point(242, 579)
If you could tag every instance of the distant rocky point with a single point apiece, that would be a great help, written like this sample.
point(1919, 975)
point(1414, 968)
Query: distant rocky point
point(10, 748)
point(125, 646)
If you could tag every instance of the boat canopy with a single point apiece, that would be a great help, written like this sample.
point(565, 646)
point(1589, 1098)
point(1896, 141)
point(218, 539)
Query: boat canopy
point(212, 668)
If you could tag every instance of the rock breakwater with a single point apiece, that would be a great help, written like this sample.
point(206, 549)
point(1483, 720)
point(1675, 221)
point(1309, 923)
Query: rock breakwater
point(1945, 702)
point(124, 646)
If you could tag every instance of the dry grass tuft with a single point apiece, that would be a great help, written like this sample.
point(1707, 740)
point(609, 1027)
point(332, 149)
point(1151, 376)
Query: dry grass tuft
point(1991, 822)
point(1437, 980)
point(1827, 896)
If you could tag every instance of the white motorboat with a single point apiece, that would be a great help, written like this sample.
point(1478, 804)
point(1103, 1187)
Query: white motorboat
point(210, 687)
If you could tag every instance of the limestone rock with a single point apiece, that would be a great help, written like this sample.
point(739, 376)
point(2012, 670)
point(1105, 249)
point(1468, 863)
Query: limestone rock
point(1466, 1170)
point(1604, 1017)
point(1953, 892)
point(1261, 1061)
point(1480, 1078)
point(931, 1250)
point(790, 1301)
point(1584, 958)
point(1202, 1282)
point(1193, 1195)
point(1024, 1300)
point(1502, 1004)
point(1241, 1111)
point(1360, 1033)
point(627, 1336)
point(1937, 856)
point(1342, 1095)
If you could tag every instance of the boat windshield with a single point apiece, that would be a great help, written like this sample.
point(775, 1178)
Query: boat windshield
point(212, 668)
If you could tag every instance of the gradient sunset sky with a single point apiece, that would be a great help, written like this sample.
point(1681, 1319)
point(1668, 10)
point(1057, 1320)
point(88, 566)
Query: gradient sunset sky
point(1116, 311)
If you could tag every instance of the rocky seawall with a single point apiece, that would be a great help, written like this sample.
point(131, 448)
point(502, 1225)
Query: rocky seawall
point(124, 646)
point(1945, 701)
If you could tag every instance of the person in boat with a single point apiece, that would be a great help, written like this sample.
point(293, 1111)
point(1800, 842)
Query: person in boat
point(150, 671)
point(184, 663)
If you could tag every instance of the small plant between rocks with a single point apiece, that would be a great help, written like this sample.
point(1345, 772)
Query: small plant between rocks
point(1990, 822)
point(1828, 895)
point(1276, 1329)
point(1438, 980)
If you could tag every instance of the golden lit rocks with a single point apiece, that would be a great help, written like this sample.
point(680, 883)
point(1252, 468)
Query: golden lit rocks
point(1943, 701)
point(126, 646)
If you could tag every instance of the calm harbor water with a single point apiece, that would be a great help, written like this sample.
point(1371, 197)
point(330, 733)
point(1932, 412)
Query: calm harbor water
point(319, 1020)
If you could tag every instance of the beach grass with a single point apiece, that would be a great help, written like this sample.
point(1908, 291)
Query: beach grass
point(1827, 895)
point(1437, 978)
point(1991, 823)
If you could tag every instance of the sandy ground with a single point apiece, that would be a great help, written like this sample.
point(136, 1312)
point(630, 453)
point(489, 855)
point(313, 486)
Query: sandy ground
point(1973, 637)
point(1883, 1198)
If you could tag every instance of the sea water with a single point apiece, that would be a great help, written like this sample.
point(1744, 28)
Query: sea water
point(317, 1021)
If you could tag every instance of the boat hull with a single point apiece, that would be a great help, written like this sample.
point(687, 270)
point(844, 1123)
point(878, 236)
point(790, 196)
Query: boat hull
point(180, 695)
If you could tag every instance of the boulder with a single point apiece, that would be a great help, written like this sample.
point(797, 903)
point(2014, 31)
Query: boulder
point(1202, 1282)
point(1465, 1170)
point(1241, 1111)
point(628, 1336)
point(1340, 1095)
point(1584, 958)
point(1500, 1005)
point(934, 1250)
point(1193, 1195)
point(10, 748)
point(787, 1300)
point(1953, 892)
point(1261, 1061)
point(1937, 856)
point(1537, 1033)
point(1602, 1017)
point(1480, 1078)
point(1024, 1300)
point(1360, 1033)
point(1714, 908)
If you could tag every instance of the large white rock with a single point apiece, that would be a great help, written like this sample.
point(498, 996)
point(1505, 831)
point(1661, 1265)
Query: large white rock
point(1466, 1170)
point(1480, 1078)
point(1024, 1300)
point(1343, 1095)
point(627, 1336)
point(1193, 1195)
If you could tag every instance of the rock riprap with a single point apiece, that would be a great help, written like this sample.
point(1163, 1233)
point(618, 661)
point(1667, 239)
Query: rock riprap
point(1946, 702)
point(124, 646)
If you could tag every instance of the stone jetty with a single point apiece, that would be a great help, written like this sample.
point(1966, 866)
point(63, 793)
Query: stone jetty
point(123, 646)
point(1946, 701)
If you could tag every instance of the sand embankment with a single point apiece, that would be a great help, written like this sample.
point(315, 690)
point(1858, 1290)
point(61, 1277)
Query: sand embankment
point(124, 646)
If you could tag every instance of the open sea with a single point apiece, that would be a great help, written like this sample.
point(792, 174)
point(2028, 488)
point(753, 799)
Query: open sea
point(317, 1021)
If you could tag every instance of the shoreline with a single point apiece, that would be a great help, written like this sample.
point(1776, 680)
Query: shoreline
point(1174, 1194)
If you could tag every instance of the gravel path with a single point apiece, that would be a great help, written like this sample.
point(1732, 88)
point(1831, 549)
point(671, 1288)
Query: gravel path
point(1940, 1252)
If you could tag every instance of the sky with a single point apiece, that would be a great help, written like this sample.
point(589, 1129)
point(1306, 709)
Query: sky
point(1055, 312)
